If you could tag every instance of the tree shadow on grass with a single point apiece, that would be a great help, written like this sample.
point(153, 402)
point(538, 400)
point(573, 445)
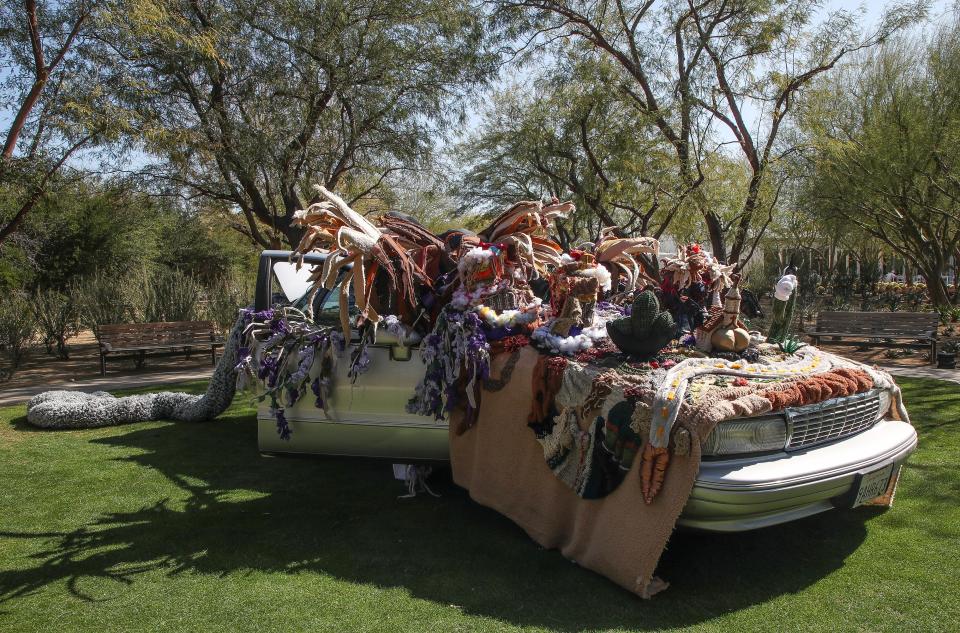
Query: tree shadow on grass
point(235, 511)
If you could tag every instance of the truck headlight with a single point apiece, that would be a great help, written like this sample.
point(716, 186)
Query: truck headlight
point(761, 434)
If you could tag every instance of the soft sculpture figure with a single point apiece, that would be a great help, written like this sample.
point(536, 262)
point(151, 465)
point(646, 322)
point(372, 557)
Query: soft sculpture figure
point(730, 336)
point(784, 298)
point(79, 410)
point(646, 331)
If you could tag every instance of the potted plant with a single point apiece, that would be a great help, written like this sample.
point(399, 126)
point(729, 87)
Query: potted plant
point(947, 355)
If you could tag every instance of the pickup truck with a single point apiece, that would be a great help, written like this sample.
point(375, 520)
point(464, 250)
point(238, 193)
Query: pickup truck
point(755, 472)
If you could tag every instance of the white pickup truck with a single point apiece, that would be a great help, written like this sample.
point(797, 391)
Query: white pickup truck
point(755, 472)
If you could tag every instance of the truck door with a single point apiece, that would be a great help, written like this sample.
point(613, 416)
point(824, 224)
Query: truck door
point(379, 394)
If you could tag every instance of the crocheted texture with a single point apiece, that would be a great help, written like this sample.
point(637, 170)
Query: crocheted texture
point(455, 350)
point(646, 331)
point(496, 384)
point(289, 354)
point(670, 393)
point(705, 392)
point(78, 410)
point(592, 462)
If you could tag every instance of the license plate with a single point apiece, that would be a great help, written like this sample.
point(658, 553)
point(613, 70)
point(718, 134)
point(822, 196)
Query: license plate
point(873, 485)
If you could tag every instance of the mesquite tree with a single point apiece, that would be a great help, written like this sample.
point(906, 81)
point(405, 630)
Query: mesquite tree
point(697, 69)
point(563, 132)
point(39, 90)
point(883, 151)
point(250, 102)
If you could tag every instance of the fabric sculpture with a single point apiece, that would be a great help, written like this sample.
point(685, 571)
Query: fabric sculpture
point(75, 409)
point(784, 298)
point(616, 360)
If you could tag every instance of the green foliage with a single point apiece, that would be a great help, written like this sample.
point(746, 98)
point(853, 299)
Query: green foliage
point(943, 313)
point(58, 317)
point(93, 243)
point(17, 329)
point(81, 229)
point(248, 102)
point(882, 135)
point(690, 72)
point(103, 298)
point(225, 297)
point(568, 134)
point(790, 344)
point(200, 245)
point(166, 295)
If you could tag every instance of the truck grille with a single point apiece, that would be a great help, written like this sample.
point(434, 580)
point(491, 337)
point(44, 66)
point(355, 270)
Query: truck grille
point(831, 419)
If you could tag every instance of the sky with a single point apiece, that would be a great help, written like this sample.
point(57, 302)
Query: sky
point(872, 10)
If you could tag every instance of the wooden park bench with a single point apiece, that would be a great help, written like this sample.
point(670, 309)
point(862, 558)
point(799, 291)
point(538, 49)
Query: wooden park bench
point(134, 340)
point(879, 329)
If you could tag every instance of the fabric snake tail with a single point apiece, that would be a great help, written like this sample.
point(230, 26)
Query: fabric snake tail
point(78, 410)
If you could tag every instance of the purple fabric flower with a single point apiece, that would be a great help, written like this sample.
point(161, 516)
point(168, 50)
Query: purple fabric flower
point(268, 371)
point(304, 363)
point(283, 428)
point(293, 394)
point(288, 347)
point(361, 363)
point(338, 341)
point(321, 389)
point(279, 325)
point(457, 347)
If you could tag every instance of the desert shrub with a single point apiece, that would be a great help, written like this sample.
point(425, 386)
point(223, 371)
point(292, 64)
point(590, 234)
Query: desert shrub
point(102, 298)
point(166, 295)
point(225, 297)
point(763, 278)
point(870, 274)
point(17, 329)
point(57, 317)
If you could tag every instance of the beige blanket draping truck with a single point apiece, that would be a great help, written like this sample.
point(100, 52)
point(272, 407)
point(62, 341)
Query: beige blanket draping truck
point(501, 463)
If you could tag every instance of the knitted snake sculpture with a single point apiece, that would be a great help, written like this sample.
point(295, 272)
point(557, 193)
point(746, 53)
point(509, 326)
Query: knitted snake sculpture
point(79, 410)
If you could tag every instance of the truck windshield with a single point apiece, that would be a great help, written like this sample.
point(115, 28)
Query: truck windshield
point(326, 307)
point(294, 283)
point(289, 286)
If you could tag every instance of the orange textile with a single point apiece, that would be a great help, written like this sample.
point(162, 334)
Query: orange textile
point(502, 465)
point(842, 381)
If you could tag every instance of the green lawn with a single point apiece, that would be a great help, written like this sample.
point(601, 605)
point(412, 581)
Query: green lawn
point(165, 526)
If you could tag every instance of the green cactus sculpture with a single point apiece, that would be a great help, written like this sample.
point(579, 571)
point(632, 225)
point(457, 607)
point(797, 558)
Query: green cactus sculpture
point(790, 344)
point(646, 331)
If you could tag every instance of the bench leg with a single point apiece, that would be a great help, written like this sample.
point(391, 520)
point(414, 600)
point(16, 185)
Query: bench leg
point(103, 364)
point(213, 355)
point(933, 352)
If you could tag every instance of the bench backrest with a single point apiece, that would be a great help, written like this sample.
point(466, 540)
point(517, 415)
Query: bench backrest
point(879, 323)
point(164, 333)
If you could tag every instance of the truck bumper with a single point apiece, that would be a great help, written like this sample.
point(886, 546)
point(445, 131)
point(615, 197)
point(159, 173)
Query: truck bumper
point(746, 494)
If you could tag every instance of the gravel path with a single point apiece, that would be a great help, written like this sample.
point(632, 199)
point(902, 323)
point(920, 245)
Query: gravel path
point(926, 371)
point(16, 395)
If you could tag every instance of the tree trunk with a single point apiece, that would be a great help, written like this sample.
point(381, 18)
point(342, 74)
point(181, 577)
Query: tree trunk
point(715, 231)
point(11, 227)
point(20, 120)
point(749, 209)
point(939, 295)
